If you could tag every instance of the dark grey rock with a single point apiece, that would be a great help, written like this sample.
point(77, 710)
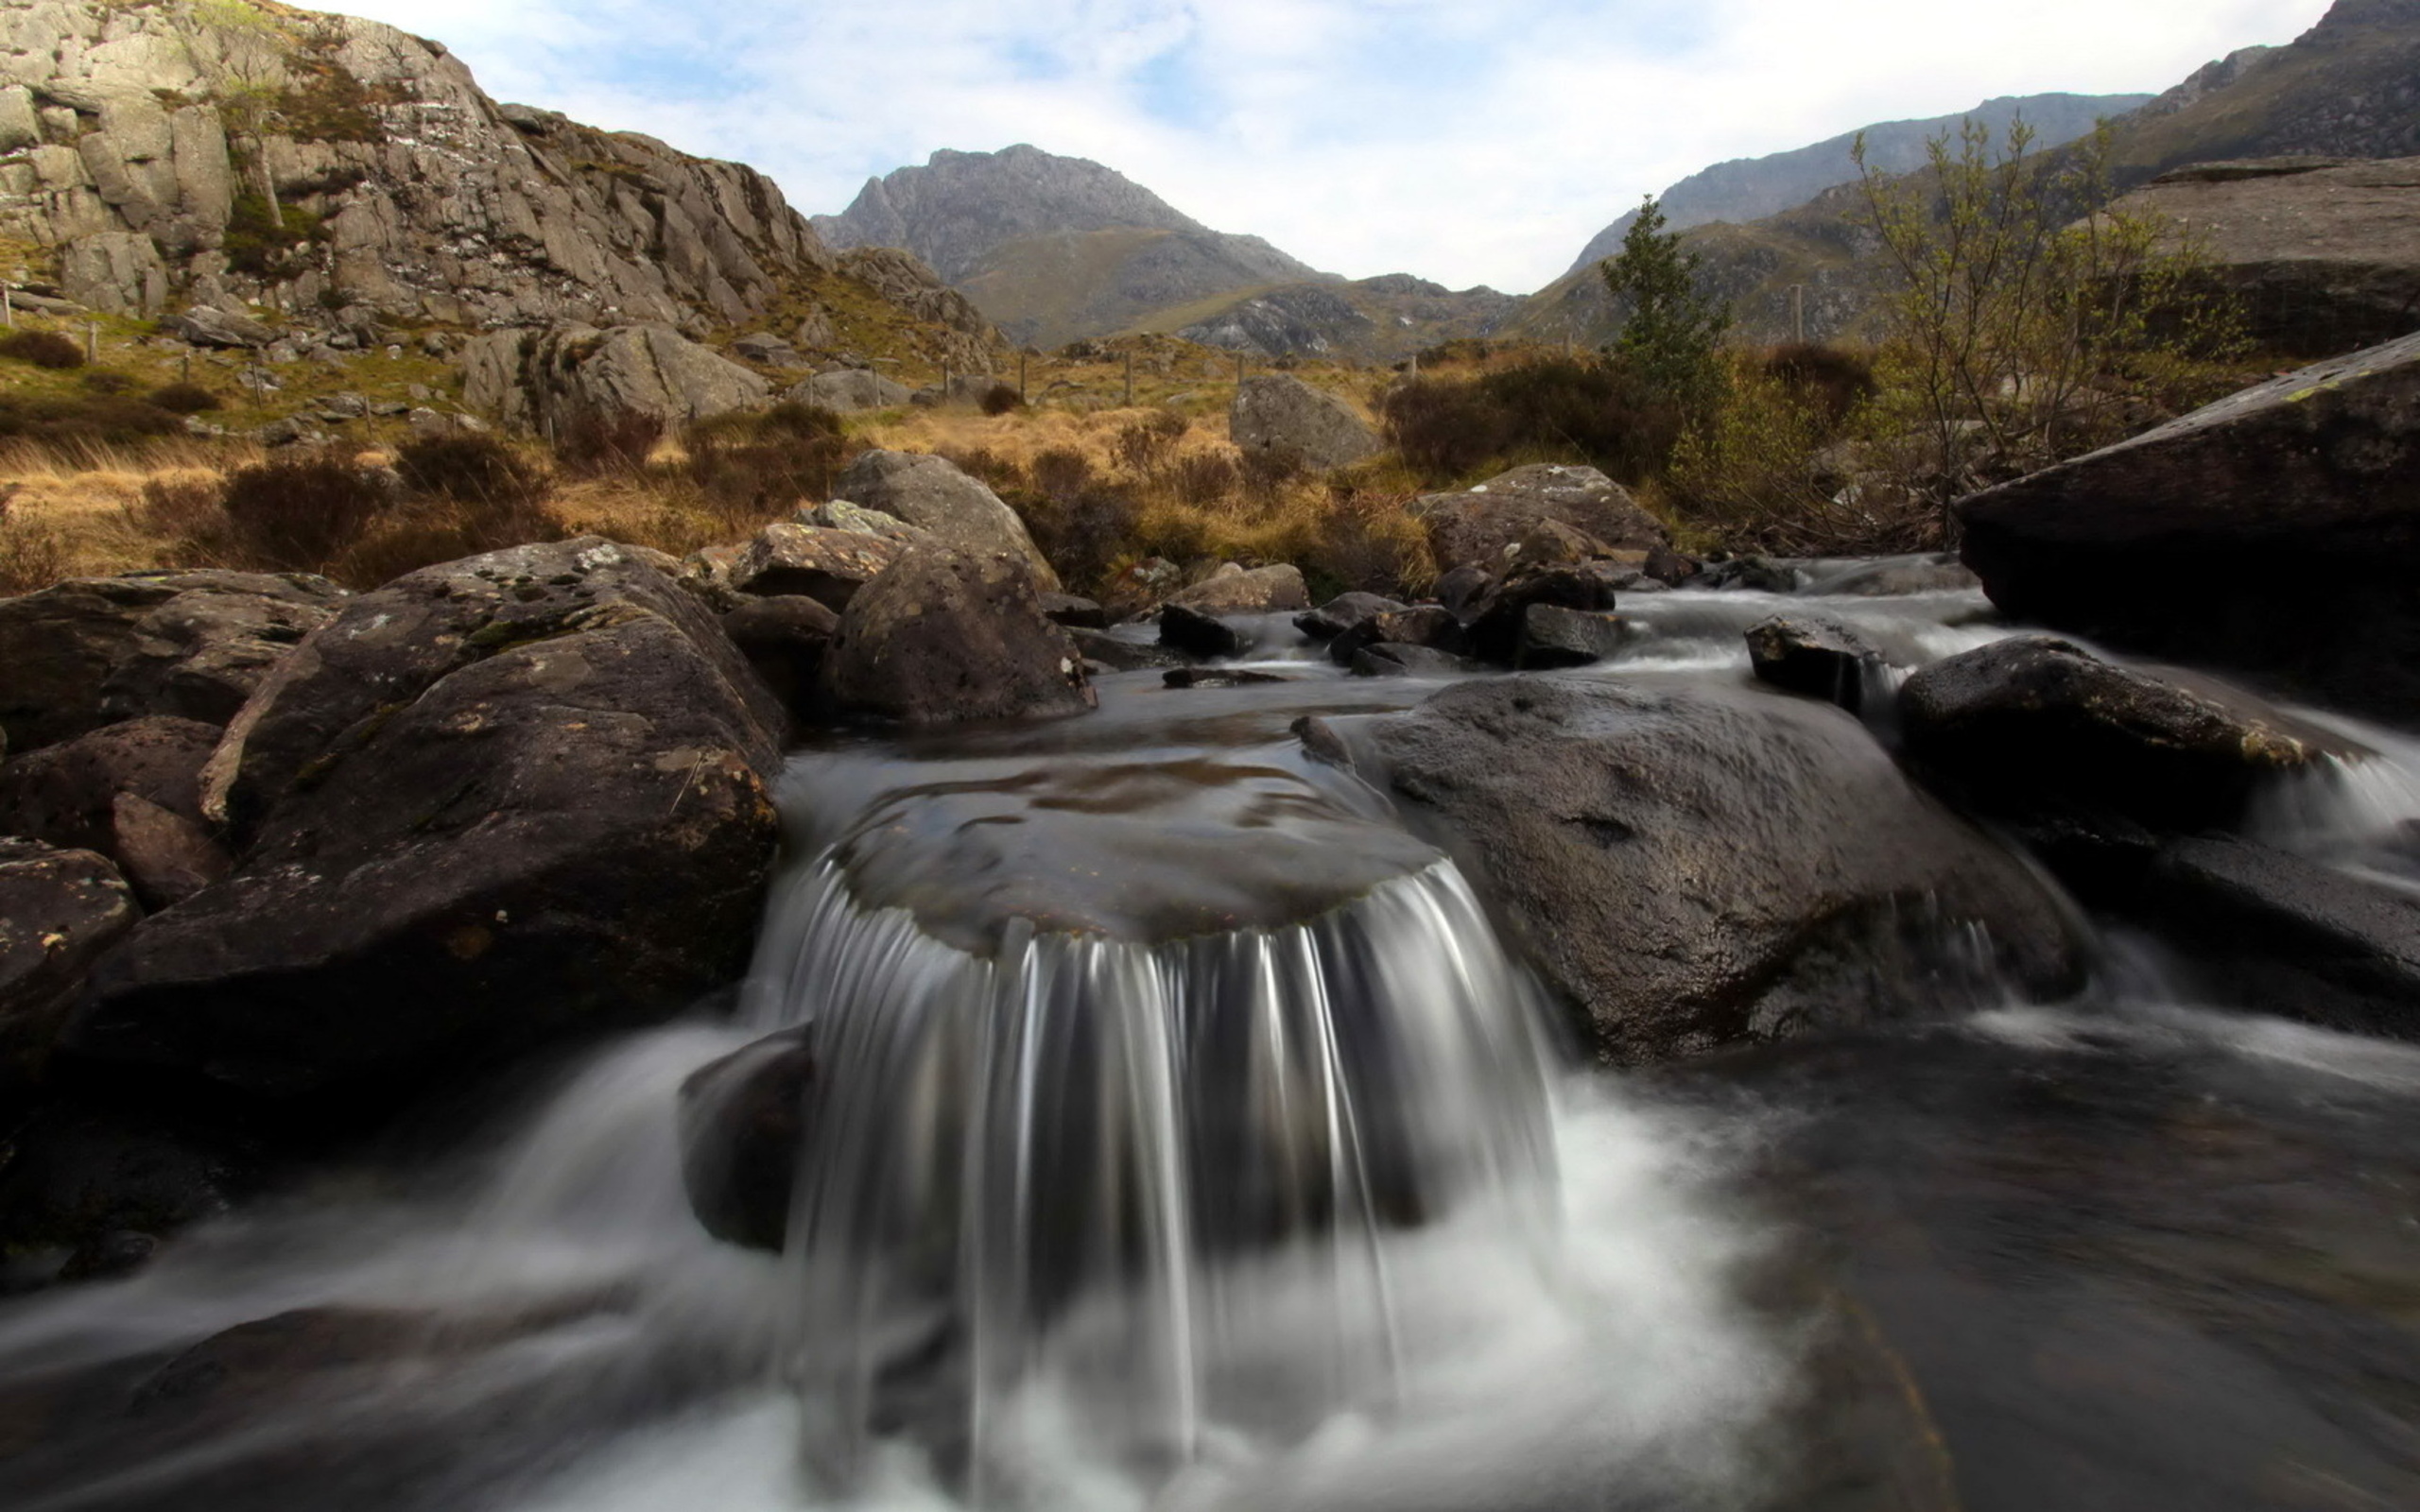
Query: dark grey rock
point(949, 636)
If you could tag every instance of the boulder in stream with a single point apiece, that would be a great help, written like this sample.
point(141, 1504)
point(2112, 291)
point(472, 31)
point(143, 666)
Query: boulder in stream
point(949, 636)
point(1819, 656)
point(934, 494)
point(495, 801)
point(1480, 524)
point(58, 911)
point(1696, 866)
point(743, 1119)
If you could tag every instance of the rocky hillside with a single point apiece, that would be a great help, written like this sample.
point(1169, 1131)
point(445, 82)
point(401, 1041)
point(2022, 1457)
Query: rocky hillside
point(1367, 320)
point(327, 175)
point(2348, 88)
point(1748, 189)
point(1055, 250)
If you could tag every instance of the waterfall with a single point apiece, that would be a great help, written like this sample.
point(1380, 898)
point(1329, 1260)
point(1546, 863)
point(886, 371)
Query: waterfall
point(1082, 1164)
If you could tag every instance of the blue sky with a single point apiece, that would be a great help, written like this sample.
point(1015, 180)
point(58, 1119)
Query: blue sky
point(1465, 141)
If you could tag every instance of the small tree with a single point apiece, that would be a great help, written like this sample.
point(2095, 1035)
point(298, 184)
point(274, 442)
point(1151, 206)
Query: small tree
point(2029, 317)
point(1675, 332)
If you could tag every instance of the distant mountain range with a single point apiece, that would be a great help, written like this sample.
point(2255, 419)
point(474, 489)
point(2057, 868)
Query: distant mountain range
point(1056, 250)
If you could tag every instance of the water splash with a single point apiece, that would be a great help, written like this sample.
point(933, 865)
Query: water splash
point(1075, 1161)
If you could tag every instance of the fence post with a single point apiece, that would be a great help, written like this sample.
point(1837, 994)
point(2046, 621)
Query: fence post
point(1130, 377)
point(8, 309)
point(1022, 395)
point(92, 341)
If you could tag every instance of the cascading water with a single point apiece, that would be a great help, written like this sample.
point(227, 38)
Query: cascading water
point(1036, 1169)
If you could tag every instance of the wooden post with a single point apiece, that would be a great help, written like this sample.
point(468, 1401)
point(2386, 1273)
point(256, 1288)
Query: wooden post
point(1022, 395)
point(1798, 311)
point(1239, 369)
point(184, 367)
point(1130, 377)
point(8, 309)
point(944, 381)
point(92, 341)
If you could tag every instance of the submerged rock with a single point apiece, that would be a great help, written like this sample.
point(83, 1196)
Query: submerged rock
point(2034, 723)
point(2273, 531)
point(1695, 868)
point(743, 1119)
point(495, 801)
point(92, 651)
point(950, 636)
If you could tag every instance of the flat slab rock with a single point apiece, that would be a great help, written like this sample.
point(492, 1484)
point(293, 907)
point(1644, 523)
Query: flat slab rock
point(1690, 869)
point(495, 801)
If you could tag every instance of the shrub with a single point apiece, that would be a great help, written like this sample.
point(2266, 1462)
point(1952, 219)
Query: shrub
point(1144, 446)
point(1672, 334)
point(31, 555)
point(84, 419)
point(750, 467)
point(1601, 413)
point(105, 381)
point(472, 468)
point(43, 349)
point(1204, 477)
point(1002, 399)
point(184, 399)
point(186, 511)
point(1084, 532)
point(593, 444)
point(1062, 472)
point(1834, 380)
point(301, 514)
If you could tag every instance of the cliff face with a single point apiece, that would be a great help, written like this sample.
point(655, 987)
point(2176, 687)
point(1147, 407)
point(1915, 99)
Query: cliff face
point(227, 153)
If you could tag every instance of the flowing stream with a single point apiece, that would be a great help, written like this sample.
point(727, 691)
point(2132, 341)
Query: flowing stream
point(1184, 1138)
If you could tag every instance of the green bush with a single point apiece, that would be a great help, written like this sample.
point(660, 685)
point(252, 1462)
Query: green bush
point(83, 419)
point(184, 399)
point(1601, 413)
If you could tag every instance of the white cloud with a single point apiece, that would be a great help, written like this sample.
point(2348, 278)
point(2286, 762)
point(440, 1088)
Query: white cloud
point(1466, 142)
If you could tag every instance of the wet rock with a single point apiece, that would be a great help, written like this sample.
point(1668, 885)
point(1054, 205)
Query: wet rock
point(1342, 613)
point(1277, 416)
point(1552, 636)
point(1498, 620)
point(949, 636)
point(1075, 613)
point(828, 566)
point(785, 640)
point(1821, 657)
point(1392, 658)
point(1691, 868)
point(1762, 574)
point(168, 856)
point(742, 1120)
point(130, 791)
point(932, 494)
point(1431, 627)
point(92, 651)
point(2274, 933)
point(1118, 654)
point(2035, 722)
point(1459, 589)
point(1671, 568)
point(1217, 677)
point(2307, 486)
point(1234, 589)
point(60, 910)
point(1196, 632)
point(848, 390)
point(494, 802)
point(1480, 525)
point(83, 1182)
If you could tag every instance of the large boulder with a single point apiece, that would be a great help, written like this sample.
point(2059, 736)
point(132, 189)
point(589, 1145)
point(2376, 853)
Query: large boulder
point(203, 326)
point(58, 911)
point(2277, 531)
point(549, 380)
point(848, 390)
point(92, 651)
point(495, 801)
point(826, 565)
point(2033, 723)
point(114, 272)
point(1691, 868)
point(2323, 253)
point(933, 494)
point(948, 636)
point(1284, 419)
point(131, 791)
point(1481, 525)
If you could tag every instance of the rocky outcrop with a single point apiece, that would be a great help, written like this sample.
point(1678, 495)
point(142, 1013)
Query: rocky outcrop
point(1480, 524)
point(498, 800)
point(549, 381)
point(2277, 531)
point(848, 392)
point(1238, 590)
point(1695, 868)
point(828, 566)
point(931, 493)
point(2033, 721)
point(1285, 420)
point(92, 651)
point(59, 909)
point(948, 636)
point(2323, 255)
point(336, 171)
